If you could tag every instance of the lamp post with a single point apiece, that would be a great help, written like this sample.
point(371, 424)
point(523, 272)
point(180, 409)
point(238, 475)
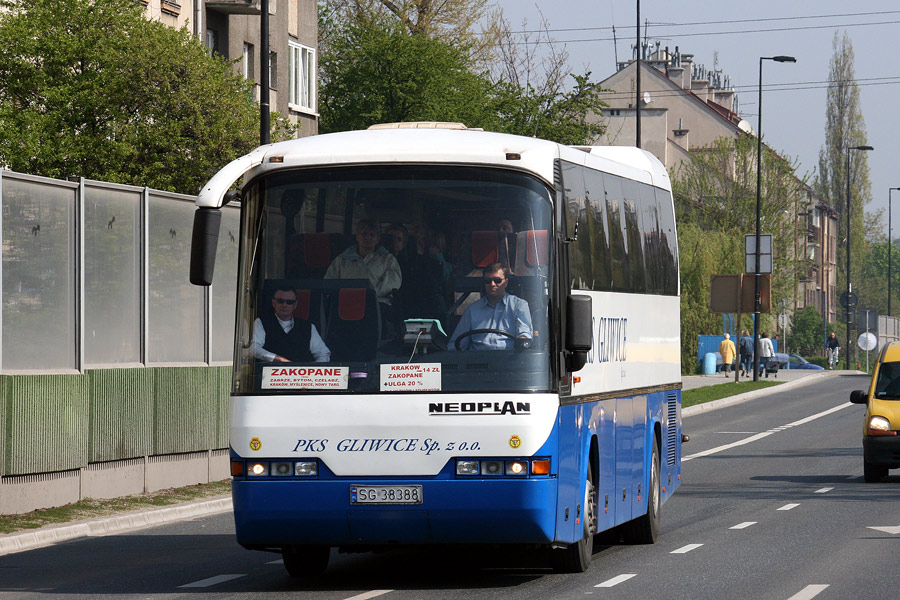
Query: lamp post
point(889, 248)
point(264, 117)
point(849, 287)
point(756, 305)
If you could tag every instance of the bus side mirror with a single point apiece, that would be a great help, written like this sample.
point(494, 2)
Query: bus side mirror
point(204, 240)
point(578, 331)
point(859, 396)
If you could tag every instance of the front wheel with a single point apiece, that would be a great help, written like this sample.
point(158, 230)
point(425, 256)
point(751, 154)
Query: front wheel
point(645, 529)
point(873, 473)
point(305, 561)
point(576, 558)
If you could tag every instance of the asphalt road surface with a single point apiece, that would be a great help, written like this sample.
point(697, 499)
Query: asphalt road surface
point(772, 505)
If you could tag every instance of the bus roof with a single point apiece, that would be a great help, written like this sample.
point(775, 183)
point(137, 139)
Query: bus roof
point(395, 144)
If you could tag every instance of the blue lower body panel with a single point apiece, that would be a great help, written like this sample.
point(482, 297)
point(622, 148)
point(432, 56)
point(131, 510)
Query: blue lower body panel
point(277, 513)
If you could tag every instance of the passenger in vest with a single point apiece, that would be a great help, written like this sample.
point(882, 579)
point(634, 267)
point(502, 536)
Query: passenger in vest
point(279, 337)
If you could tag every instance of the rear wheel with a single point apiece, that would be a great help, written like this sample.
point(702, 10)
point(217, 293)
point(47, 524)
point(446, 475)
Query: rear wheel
point(873, 473)
point(645, 529)
point(576, 558)
point(305, 561)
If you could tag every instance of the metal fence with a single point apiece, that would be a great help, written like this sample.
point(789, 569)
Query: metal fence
point(95, 275)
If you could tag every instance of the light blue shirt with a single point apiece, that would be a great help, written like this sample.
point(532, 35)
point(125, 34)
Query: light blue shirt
point(510, 314)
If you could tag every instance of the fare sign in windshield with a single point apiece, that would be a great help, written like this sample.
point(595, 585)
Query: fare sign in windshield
point(413, 377)
point(306, 378)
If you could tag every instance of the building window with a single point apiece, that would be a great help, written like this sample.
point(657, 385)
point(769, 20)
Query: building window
point(301, 78)
point(248, 62)
point(273, 70)
point(212, 40)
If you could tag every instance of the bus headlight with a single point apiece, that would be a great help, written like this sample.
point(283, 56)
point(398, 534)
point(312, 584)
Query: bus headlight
point(258, 469)
point(516, 467)
point(492, 467)
point(282, 469)
point(467, 467)
point(306, 468)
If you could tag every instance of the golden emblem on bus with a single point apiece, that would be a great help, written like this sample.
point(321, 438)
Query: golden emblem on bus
point(515, 441)
point(255, 444)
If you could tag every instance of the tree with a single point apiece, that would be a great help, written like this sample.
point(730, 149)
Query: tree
point(374, 70)
point(844, 128)
point(807, 332)
point(378, 72)
point(94, 89)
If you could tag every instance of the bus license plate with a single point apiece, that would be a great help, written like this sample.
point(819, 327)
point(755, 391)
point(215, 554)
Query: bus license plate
point(386, 494)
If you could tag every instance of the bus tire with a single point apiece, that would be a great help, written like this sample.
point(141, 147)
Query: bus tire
point(305, 562)
point(576, 558)
point(645, 529)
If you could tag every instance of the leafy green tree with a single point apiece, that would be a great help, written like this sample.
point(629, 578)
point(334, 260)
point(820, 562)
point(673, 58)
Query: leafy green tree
point(807, 332)
point(377, 72)
point(94, 89)
point(844, 128)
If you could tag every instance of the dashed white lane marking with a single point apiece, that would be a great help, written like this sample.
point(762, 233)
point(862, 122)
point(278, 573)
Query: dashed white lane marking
point(789, 506)
point(810, 591)
point(854, 477)
point(210, 581)
point(280, 561)
point(370, 594)
point(686, 549)
point(824, 490)
point(743, 525)
point(737, 432)
point(765, 434)
point(616, 580)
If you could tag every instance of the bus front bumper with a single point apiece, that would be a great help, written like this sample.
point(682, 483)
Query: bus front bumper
point(278, 513)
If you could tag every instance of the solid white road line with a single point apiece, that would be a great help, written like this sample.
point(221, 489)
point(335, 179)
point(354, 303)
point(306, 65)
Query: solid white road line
point(686, 549)
point(616, 580)
point(210, 581)
point(765, 434)
point(371, 594)
point(789, 506)
point(743, 525)
point(810, 591)
point(824, 490)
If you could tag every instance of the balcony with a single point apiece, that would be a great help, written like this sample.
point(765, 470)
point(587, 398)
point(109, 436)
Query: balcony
point(234, 7)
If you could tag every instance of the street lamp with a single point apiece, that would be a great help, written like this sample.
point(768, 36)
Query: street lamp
point(889, 248)
point(756, 305)
point(849, 287)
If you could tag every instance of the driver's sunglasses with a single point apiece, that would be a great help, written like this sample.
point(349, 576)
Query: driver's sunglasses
point(497, 280)
point(287, 301)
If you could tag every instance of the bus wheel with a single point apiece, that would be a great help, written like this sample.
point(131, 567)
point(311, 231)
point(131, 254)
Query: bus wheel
point(576, 558)
point(305, 561)
point(645, 529)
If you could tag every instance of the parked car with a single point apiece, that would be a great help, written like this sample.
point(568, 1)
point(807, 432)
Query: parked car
point(798, 362)
point(881, 425)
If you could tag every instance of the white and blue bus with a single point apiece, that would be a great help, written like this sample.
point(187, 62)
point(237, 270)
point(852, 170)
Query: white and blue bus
point(406, 436)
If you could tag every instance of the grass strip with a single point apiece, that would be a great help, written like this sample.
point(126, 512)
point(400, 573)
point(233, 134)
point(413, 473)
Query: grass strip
point(90, 508)
point(709, 393)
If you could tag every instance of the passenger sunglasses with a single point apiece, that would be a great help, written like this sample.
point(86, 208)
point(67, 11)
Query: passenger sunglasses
point(285, 301)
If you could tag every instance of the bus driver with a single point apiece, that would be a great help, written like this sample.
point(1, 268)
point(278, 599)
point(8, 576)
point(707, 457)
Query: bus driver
point(499, 317)
point(279, 337)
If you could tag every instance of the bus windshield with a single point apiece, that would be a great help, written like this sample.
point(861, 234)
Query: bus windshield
point(395, 279)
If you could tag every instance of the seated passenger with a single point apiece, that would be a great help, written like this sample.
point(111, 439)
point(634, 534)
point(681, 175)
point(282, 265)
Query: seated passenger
point(279, 337)
point(368, 260)
point(497, 311)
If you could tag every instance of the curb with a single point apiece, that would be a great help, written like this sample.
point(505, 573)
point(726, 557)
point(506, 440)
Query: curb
point(732, 400)
point(19, 542)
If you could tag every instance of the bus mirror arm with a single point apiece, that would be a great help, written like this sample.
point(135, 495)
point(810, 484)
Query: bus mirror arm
point(204, 240)
point(578, 331)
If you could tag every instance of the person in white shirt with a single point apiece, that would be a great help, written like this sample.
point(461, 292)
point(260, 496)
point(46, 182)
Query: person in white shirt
point(766, 351)
point(282, 338)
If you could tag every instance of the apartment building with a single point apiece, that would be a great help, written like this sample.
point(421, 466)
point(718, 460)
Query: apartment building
point(231, 28)
point(686, 106)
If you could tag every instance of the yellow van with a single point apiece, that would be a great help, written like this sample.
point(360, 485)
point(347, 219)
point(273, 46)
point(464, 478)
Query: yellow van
point(881, 442)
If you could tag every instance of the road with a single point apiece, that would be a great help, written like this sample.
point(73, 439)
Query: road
point(773, 505)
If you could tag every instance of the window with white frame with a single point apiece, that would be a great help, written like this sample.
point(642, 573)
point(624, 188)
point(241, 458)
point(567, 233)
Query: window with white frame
point(301, 77)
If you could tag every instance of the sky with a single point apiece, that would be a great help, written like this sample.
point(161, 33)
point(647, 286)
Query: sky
point(733, 36)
